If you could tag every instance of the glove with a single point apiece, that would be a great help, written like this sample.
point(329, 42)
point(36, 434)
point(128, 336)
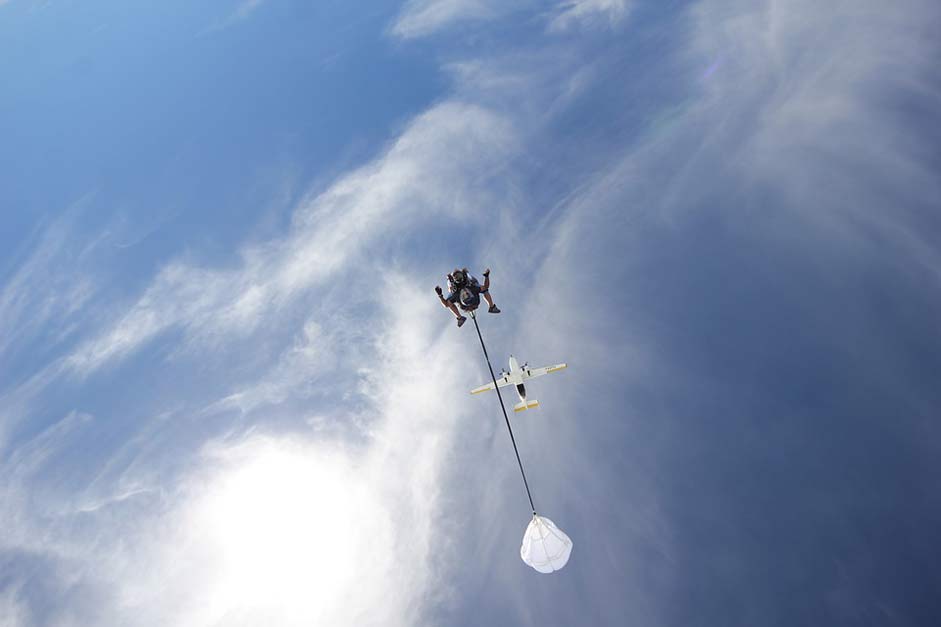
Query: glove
point(487, 272)
point(438, 290)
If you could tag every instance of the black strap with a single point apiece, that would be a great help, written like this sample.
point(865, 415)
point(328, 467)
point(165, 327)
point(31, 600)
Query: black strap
point(505, 416)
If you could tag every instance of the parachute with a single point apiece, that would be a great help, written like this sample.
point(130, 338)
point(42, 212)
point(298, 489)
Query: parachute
point(545, 547)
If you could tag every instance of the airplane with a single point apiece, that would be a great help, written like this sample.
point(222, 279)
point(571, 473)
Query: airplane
point(516, 376)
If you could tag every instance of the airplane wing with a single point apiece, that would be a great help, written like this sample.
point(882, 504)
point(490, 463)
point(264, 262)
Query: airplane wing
point(531, 373)
point(501, 381)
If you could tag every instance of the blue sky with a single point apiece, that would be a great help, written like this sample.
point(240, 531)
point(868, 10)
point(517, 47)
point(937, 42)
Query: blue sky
point(228, 395)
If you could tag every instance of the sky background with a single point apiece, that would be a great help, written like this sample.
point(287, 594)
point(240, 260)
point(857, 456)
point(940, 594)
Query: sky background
point(229, 396)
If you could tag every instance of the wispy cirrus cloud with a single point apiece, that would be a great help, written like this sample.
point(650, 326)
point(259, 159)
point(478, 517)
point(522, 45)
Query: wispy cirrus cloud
point(308, 523)
point(12, 610)
point(585, 12)
point(803, 166)
point(794, 155)
point(242, 11)
point(429, 170)
point(423, 17)
point(167, 509)
point(800, 156)
point(246, 8)
point(51, 283)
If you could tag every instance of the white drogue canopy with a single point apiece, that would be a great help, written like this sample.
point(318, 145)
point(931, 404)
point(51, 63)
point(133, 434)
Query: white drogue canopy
point(545, 547)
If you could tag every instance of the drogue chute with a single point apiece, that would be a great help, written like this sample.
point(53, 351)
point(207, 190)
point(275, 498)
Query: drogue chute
point(545, 547)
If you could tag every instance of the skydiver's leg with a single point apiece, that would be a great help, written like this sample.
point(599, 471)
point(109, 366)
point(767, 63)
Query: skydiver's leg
point(493, 308)
point(460, 319)
point(485, 292)
point(454, 310)
point(448, 304)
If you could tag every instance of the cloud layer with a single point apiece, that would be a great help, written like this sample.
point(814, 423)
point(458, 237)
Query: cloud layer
point(722, 219)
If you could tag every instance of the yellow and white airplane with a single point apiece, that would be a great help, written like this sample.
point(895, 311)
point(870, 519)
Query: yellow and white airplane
point(516, 376)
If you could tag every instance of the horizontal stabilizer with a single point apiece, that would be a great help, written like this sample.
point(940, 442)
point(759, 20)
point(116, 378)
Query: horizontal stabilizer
point(524, 405)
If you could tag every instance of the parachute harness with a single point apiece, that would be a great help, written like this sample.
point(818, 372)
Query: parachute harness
point(503, 407)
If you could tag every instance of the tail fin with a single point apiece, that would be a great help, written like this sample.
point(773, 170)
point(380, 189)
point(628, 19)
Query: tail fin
point(524, 405)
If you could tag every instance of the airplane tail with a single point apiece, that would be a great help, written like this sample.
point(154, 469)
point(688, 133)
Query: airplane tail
point(524, 405)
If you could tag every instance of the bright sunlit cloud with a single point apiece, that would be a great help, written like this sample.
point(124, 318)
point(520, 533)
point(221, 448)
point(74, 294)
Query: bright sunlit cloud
point(288, 527)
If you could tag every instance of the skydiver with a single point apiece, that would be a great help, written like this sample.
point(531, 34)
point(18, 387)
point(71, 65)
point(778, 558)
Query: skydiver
point(460, 280)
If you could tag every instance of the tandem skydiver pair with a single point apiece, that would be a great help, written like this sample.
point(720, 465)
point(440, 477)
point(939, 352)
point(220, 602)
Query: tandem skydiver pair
point(465, 292)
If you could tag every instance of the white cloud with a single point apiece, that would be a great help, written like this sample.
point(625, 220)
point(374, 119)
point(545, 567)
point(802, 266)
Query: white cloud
point(798, 117)
point(771, 116)
point(430, 170)
point(242, 11)
point(49, 284)
point(12, 611)
point(246, 8)
point(584, 12)
point(811, 114)
point(295, 531)
point(153, 546)
point(312, 352)
point(423, 17)
point(260, 529)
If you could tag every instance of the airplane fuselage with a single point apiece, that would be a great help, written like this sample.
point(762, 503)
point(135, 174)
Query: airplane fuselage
point(515, 376)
